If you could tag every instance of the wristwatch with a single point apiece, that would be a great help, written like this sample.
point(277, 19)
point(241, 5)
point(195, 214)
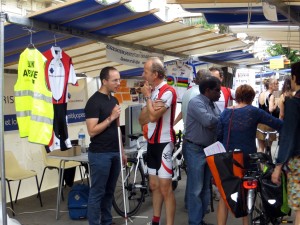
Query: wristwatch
point(147, 98)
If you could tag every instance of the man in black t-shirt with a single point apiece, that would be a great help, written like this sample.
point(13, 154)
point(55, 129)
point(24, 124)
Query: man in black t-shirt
point(102, 113)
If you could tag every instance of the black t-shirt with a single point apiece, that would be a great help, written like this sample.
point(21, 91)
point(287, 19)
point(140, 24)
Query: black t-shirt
point(100, 106)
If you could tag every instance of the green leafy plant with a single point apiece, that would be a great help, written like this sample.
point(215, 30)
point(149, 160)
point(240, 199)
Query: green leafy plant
point(277, 49)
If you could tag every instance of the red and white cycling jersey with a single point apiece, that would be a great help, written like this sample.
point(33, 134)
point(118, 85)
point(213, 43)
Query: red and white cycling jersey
point(59, 72)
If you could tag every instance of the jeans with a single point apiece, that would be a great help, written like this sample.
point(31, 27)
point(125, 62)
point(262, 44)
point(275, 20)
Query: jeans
point(198, 181)
point(105, 169)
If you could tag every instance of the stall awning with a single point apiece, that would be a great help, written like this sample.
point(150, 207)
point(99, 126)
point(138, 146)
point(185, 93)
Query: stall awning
point(83, 28)
point(239, 12)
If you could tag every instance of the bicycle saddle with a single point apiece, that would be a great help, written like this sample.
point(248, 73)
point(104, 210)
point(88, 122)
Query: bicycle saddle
point(260, 157)
point(134, 136)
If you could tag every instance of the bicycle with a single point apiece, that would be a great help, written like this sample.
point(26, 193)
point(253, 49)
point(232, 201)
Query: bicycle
point(251, 182)
point(268, 143)
point(136, 178)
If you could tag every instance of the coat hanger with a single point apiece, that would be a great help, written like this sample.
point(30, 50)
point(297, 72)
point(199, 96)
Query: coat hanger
point(30, 30)
point(56, 48)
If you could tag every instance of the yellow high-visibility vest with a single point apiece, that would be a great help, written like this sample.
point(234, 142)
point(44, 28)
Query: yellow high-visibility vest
point(33, 99)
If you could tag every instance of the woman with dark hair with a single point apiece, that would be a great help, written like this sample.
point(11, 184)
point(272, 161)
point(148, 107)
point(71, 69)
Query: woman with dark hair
point(289, 148)
point(242, 121)
point(286, 92)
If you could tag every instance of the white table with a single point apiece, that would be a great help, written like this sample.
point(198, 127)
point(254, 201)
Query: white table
point(63, 159)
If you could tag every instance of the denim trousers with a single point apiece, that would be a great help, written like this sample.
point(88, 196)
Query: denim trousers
point(198, 181)
point(105, 169)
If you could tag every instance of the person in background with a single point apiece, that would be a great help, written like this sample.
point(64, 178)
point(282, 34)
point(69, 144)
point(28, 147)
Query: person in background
point(266, 102)
point(187, 96)
point(161, 138)
point(244, 119)
point(227, 94)
point(201, 123)
point(286, 92)
point(289, 148)
point(102, 112)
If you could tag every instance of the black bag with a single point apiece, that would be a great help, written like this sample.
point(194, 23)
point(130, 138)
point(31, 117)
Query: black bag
point(78, 201)
point(274, 197)
point(227, 170)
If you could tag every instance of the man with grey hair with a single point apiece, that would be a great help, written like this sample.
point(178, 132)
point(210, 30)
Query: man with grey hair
point(161, 137)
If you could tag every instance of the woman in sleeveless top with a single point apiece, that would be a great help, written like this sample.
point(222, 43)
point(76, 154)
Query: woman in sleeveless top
point(286, 92)
point(266, 102)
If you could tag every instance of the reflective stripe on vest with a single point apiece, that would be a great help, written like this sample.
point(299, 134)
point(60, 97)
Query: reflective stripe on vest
point(33, 99)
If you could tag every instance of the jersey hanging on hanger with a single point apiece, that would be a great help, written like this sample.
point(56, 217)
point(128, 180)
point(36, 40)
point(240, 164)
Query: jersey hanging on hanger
point(33, 98)
point(59, 73)
point(179, 76)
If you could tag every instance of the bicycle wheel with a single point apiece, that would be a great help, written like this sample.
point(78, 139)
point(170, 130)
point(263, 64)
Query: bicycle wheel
point(134, 192)
point(257, 215)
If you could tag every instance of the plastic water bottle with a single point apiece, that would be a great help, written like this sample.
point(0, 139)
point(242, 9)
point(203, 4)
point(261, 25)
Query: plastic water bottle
point(81, 140)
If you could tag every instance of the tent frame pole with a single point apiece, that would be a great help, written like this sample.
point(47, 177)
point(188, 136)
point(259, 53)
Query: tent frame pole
point(2, 157)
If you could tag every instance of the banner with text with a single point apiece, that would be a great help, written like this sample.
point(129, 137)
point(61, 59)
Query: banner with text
point(129, 57)
point(76, 104)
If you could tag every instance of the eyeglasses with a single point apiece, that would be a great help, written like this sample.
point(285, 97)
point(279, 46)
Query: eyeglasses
point(115, 81)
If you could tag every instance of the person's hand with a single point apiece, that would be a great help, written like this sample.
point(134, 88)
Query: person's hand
point(115, 113)
point(276, 175)
point(124, 159)
point(158, 104)
point(146, 89)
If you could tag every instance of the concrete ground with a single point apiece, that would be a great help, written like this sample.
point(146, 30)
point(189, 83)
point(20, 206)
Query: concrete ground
point(29, 212)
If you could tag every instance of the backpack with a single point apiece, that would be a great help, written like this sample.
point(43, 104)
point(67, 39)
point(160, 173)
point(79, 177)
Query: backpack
point(78, 201)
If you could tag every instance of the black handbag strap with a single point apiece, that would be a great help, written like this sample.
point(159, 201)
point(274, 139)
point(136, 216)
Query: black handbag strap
point(229, 128)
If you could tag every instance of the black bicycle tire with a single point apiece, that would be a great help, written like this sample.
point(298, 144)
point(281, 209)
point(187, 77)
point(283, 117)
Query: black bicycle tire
point(118, 205)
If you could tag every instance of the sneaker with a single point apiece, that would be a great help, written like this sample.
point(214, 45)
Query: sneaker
point(150, 223)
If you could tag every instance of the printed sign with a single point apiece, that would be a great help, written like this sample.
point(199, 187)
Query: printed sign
point(128, 56)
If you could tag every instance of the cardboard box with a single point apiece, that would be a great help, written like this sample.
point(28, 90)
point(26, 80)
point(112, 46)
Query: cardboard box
point(74, 151)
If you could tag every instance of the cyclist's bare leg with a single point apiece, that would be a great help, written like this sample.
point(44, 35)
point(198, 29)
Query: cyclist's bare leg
point(245, 220)
point(157, 198)
point(166, 190)
point(222, 212)
point(261, 145)
point(297, 217)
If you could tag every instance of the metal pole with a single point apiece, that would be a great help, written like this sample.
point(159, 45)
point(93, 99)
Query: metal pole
point(3, 186)
point(122, 175)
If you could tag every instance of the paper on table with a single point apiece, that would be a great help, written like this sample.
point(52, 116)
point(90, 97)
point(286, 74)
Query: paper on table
point(215, 148)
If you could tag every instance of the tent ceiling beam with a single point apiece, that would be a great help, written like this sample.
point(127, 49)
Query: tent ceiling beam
point(85, 35)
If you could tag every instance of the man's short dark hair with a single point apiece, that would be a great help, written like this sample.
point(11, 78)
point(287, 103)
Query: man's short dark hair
point(295, 71)
point(200, 74)
point(209, 82)
point(217, 69)
point(104, 74)
point(158, 66)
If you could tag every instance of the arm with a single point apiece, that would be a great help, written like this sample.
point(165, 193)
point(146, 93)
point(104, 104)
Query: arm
point(178, 118)
point(288, 134)
point(94, 128)
point(198, 111)
point(268, 119)
point(281, 107)
point(272, 104)
point(276, 175)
